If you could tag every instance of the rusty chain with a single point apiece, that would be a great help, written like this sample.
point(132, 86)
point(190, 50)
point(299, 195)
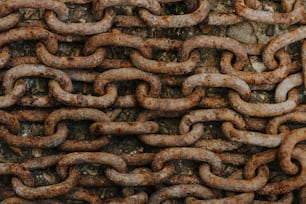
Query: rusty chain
point(200, 134)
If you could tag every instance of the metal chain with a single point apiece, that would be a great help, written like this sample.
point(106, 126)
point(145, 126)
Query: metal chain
point(253, 154)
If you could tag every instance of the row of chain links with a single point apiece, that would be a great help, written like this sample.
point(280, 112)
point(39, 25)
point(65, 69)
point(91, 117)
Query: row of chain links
point(254, 137)
point(149, 13)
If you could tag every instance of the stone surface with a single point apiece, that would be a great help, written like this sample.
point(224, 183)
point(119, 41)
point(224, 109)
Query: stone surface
point(242, 32)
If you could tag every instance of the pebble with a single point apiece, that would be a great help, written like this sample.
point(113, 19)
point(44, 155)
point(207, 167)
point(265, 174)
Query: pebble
point(270, 30)
point(243, 32)
point(257, 65)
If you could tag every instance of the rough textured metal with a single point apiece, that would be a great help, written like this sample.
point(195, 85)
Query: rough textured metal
point(152, 101)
